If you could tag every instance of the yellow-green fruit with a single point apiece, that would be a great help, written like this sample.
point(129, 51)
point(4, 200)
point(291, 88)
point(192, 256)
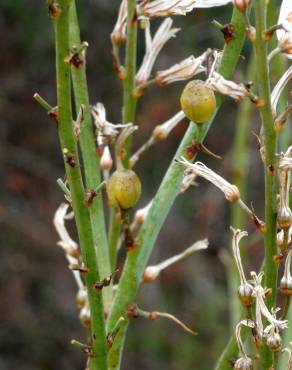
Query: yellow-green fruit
point(198, 101)
point(123, 188)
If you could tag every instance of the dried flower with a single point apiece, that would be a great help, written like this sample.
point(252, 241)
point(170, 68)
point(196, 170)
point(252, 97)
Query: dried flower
point(165, 8)
point(184, 70)
point(244, 362)
point(153, 47)
point(262, 309)
point(69, 245)
point(118, 35)
point(104, 128)
point(285, 34)
point(152, 272)
point(230, 191)
point(245, 290)
point(227, 87)
point(285, 161)
point(187, 181)
point(280, 87)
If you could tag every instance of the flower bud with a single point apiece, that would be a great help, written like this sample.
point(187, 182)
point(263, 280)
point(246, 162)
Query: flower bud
point(241, 5)
point(81, 297)
point(151, 273)
point(106, 161)
point(84, 317)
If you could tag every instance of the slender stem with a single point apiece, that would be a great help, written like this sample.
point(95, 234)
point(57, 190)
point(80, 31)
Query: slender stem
point(129, 100)
point(230, 351)
point(67, 141)
point(91, 161)
point(138, 257)
point(129, 109)
point(270, 268)
point(240, 154)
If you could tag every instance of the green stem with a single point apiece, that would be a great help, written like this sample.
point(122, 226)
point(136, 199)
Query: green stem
point(270, 268)
point(68, 142)
point(91, 161)
point(230, 351)
point(129, 110)
point(137, 258)
point(240, 154)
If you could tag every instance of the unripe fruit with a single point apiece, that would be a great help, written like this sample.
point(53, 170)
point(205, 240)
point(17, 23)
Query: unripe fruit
point(123, 188)
point(198, 101)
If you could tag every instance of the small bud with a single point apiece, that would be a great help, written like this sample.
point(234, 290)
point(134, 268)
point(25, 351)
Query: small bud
point(81, 297)
point(251, 33)
point(118, 35)
point(162, 131)
point(84, 317)
point(89, 197)
point(106, 161)
point(142, 213)
point(286, 281)
point(151, 273)
point(241, 5)
point(274, 342)
point(54, 9)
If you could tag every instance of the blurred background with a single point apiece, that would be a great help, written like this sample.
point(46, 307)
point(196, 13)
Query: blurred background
point(37, 309)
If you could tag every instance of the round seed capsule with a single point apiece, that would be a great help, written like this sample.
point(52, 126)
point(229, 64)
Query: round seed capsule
point(274, 342)
point(243, 363)
point(245, 295)
point(286, 285)
point(123, 189)
point(198, 101)
point(284, 218)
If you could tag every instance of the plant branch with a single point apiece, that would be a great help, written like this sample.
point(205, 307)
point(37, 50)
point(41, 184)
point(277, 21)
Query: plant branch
point(128, 113)
point(138, 257)
point(239, 174)
point(69, 147)
point(90, 160)
point(269, 267)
